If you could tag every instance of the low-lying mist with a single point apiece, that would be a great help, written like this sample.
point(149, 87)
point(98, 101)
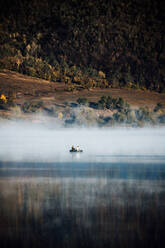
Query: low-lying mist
point(23, 141)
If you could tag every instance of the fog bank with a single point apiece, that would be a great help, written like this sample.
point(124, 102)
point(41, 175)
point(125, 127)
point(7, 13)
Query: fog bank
point(33, 142)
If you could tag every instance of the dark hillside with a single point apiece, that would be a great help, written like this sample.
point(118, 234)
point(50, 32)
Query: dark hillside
point(95, 43)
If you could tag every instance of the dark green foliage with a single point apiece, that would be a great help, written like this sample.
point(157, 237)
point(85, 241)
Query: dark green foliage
point(143, 114)
point(108, 102)
point(29, 107)
point(3, 105)
point(120, 103)
point(158, 107)
point(102, 102)
point(119, 117)
point(82, 101)
point(37, 68)
point(93, 105)
point(123, 39)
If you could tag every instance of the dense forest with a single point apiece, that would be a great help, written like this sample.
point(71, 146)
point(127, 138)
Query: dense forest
point(94, 43)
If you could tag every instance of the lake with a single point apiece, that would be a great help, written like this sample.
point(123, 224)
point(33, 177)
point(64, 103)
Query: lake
point(108, 201)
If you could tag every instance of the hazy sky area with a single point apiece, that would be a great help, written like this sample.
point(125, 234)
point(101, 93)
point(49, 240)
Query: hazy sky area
point(33, 142)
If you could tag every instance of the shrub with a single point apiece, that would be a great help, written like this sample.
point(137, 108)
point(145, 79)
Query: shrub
point(119, 117)
point(158, 107)
point(31, 107)
point(113, 103)
point(120, 103)
point(3, 102)
point(102, 102)
point(3, 99)
point(109, 102)
point(131, 116)
point(143, 114)
point(82, 101)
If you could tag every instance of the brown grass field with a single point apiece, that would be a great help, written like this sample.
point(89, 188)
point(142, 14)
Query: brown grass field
point(28, 88)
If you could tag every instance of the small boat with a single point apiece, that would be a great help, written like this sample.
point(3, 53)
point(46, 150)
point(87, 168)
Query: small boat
point(77, 149)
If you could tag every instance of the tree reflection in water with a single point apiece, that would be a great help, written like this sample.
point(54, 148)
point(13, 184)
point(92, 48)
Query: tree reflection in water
point(81, 212)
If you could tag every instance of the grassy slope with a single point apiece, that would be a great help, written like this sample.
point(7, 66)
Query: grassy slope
point(28, 88)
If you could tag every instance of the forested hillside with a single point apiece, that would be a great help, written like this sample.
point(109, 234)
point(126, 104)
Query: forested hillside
point(94, 43)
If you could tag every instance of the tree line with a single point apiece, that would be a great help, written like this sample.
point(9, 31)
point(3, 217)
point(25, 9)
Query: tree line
point(94, 43)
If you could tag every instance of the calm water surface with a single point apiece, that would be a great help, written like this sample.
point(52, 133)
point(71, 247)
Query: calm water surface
point(108, 202)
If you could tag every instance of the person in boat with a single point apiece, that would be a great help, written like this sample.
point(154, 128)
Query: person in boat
point(73, 149)
point(77, 148)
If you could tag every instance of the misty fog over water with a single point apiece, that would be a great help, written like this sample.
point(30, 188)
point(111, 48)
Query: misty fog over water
point(33, 142)
point(111, 195)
